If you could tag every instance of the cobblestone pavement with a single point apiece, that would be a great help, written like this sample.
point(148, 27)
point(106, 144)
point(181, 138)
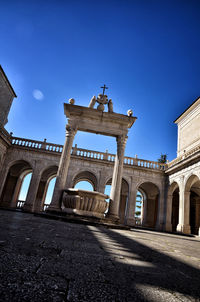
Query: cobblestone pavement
point(48, 260)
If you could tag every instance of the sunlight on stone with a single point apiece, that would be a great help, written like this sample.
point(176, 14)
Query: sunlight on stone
point(156, 294)
point(117, 251)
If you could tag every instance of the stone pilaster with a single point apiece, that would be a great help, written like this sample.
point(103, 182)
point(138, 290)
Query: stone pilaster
point(101, 182)
point(3, 177)
point(197, 214)
point(16, 192)
point(184, 212)
point(160, 215)
point(113, 212)
point(63, 169)
point(168, 224)
point(144, 218)
point(130, 214)
point(33, 188)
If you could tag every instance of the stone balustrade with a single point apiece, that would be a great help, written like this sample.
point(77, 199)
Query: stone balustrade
point(20, 204)
point(144, 163)
point(33, 144)
point(84, 203)
point(85, 153)
point(93, 154)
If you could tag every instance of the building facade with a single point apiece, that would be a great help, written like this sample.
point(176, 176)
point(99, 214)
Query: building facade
point(170, 192)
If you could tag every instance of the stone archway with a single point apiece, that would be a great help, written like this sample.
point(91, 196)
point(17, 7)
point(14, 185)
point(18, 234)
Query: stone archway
point(99, 122)
point(45, 179)
point(85, 176)
point(15, 176)
point(172, 207)
point(150, 204)
point(192, 198)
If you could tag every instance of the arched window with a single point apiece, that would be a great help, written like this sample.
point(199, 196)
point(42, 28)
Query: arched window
point(49, 193)
point(24, 190)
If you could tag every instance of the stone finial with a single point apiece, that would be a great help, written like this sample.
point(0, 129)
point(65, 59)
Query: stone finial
point(102, 100)
point(130, 112)
point(71, 101)
point(92, 102)
point(110, 106)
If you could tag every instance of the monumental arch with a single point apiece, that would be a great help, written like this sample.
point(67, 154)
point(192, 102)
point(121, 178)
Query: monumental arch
point(100, 122)
point(170, 192)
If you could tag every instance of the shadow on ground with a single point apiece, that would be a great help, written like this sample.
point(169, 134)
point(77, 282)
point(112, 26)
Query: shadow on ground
point(47, 260)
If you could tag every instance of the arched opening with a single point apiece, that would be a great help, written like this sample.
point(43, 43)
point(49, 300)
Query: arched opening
point(85, 180)
point(149, 206)
point(123, 201)
point(192, 193)
point(175, 208)
point(12, 187)
point(49, 193)
point(123, 198)
point(107, 192)
point(45, 189)
point(84, 185)
point(139, 207)
point(24, 190)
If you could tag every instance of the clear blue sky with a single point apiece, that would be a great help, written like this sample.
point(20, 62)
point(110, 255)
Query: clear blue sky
point(146, 52)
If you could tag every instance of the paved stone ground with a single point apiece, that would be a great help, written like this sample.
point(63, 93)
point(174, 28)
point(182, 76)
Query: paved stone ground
point(48, 260)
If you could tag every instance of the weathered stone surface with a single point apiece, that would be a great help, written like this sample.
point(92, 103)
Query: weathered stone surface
point(46, 260)
point(85, 203)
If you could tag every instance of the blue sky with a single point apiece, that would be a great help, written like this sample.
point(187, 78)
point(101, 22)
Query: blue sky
point(146, 52)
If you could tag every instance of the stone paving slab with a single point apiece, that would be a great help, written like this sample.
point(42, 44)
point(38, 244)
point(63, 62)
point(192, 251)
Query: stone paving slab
point(49, 260)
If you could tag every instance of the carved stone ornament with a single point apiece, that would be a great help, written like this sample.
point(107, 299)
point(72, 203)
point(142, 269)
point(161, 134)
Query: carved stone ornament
point(130, 112)
point(71, 101)
point(121, 140)
point(102, 100)
point(92, 102)
point(110, 106)
point(70, 130)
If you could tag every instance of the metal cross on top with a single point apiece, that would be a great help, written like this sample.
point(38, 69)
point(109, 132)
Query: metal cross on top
point(104, 88)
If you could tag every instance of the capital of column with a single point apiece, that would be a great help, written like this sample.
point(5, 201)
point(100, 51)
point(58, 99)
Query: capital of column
point(121, 144)
point(121, 140)
point(70, 131)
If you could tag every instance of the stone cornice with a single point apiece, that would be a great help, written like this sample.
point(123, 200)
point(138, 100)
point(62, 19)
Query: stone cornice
point(96, 121)
point(184, 163)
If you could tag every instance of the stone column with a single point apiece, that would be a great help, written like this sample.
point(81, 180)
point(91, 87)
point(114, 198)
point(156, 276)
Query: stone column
point(197, 214)
point(168, 224)
point(144, 220)
point(101, 182)
point(63, 169)
point(130, 214)
point(16, 192)
point(160, 214)
point(184, 212)
point(3, 178)
point(33, 189)
point(113, 211)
